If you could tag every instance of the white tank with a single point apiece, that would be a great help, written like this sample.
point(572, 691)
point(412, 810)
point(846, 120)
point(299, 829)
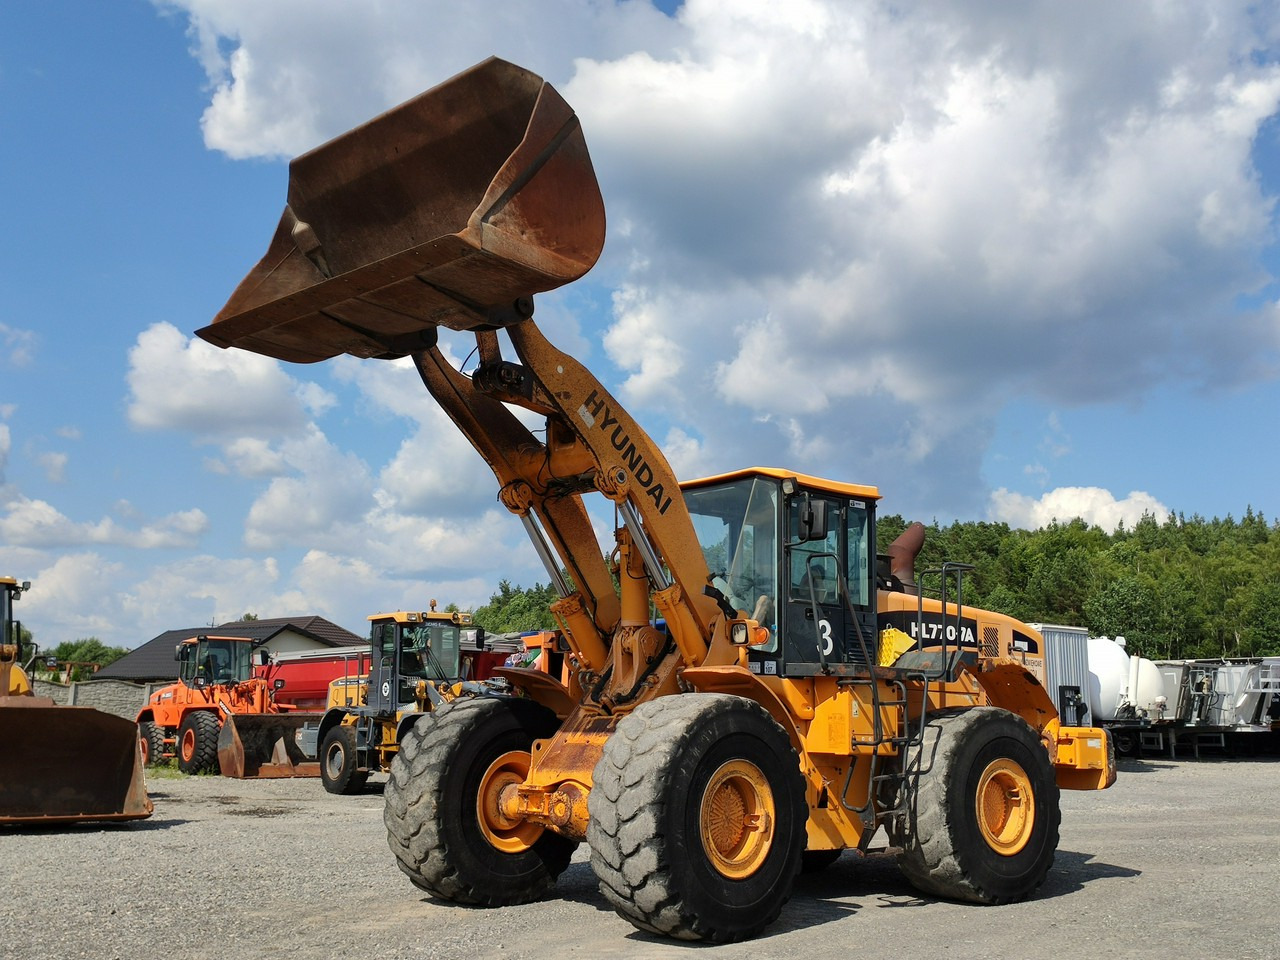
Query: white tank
point(1118, 681)
point(1147, 688)
point(1108, 678)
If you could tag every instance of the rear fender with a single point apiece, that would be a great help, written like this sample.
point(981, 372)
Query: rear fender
point(1009, 685)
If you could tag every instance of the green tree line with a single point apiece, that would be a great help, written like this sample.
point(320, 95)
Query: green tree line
point(84, 651)
point(1184, 588)
point(515, 609)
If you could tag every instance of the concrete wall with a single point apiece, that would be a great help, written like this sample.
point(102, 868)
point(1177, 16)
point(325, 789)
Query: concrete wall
point(120, 697)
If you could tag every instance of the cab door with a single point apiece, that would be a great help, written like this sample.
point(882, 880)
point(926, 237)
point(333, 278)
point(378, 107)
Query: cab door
point(382, 671)
point(815, 630)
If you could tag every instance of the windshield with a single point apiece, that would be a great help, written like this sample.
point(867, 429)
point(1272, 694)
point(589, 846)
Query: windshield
point(215, 661)
point(429, 651)
point(737, 527)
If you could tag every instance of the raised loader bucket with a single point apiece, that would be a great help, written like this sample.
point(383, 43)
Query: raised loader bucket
point(446, 210)
point(265, 746)
point(63, 764)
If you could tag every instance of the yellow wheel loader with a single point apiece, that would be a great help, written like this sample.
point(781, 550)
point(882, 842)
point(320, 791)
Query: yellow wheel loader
point(60, 764)
point(752, 688)
point(416, 658)
point(419, 663)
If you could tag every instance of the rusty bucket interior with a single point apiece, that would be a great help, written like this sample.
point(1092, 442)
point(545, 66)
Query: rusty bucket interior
point(445, 210)
point(64, 764)
point(265, 746)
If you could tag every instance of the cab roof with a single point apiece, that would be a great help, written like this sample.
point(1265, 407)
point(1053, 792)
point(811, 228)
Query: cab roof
point(416, 616)
point(803, 479)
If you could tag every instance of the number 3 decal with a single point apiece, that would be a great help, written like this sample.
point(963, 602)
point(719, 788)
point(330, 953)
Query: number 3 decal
point(824, 631)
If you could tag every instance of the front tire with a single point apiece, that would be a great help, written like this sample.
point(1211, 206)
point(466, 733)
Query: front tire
point(441, 809)
point(698, 817)
point(984, 823)
point(198, 742)
point(340, 762)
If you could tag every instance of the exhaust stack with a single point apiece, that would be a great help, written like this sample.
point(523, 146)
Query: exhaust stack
point(902, 555)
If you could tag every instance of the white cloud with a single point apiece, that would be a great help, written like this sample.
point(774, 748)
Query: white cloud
point(72, 598)
point(200, 590)
point(327, 491)
point(37, 523)
point(289, 74)
point(254, 457)
point(182, 383)
point(1094, 505)
point(54, 466)
point(17, 346)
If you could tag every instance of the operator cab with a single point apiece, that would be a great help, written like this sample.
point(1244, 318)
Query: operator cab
point(797, 554)
point(409, 647)
point(206, 661)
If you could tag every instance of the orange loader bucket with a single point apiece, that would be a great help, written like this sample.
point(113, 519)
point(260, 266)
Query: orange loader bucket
point(449, 209)
point(254, 746)
point(64, 764)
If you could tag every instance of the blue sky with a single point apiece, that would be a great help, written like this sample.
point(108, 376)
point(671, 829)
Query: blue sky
point(1004, 267)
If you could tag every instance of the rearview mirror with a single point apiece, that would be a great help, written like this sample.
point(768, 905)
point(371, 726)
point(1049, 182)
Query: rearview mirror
point(813, 520)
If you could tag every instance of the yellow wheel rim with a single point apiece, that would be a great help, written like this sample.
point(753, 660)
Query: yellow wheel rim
point(1005, 805)
point(737, 819)
point(504, 833)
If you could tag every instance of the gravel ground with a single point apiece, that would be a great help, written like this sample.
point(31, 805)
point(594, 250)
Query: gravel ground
point(1178, 859)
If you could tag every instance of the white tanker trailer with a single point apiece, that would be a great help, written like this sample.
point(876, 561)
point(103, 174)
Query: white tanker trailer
point(1126, 693)
point(1165, 702)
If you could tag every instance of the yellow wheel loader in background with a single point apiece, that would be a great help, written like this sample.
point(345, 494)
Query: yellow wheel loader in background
point(419, 663)
point(416, 659)
point(760, 690)
point(60, 764)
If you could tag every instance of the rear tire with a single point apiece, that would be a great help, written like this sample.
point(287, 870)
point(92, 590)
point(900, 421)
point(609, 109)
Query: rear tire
point(984, 824)
point(151, 741)
point(698, 817)
point(440, 779)
point(197, 747)
point(339, 762)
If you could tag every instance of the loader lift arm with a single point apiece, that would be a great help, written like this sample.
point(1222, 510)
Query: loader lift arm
point(592, 445)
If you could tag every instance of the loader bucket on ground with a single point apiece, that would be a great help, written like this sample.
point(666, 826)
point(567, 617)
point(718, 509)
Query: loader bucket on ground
point(63, 764)
point(443, 211)
point(263, 746)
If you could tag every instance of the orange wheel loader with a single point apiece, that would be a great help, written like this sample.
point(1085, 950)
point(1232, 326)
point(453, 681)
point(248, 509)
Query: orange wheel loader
point(752, 689)
point(60, 764)
point(219, 716)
